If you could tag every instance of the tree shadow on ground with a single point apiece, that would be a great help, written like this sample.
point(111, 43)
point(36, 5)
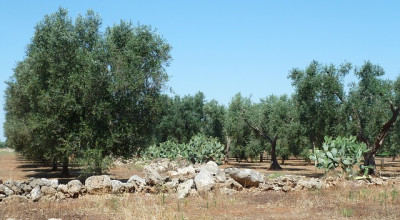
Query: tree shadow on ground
point(34, 169)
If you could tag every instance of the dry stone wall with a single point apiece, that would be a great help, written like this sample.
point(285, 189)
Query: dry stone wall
point(181, 179)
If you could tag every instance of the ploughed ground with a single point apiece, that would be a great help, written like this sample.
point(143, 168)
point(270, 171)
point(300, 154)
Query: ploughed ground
point(336, 203)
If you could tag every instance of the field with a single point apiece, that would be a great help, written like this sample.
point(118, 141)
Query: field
point(337, 203)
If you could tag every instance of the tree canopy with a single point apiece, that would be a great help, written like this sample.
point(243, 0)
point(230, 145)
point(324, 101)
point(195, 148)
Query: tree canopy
point(79, 89)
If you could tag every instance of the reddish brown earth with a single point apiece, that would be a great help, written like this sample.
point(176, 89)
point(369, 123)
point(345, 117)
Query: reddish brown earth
point(336, 203)
point(14, 166)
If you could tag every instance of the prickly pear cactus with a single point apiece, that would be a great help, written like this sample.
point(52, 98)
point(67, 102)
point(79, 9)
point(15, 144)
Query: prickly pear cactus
point(344, 152)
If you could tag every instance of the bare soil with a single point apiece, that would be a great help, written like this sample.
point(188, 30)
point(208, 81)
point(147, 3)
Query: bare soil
point(337, 203)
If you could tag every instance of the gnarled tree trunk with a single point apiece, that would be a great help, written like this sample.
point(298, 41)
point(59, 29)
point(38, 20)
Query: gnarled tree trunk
point(274, 162)
point(65, 171)
point(369, 157)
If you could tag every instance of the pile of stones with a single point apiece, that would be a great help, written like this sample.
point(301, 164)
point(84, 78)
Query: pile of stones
point(173, 177)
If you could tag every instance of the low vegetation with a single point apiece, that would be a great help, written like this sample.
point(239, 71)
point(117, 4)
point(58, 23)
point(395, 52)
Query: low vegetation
point(357, 203)
point(345, 153)
point(200, 149)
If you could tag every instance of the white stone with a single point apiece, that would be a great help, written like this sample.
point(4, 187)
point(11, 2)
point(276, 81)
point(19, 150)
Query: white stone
point(98, 184)
point(204, 181)
point(183, 188)
point(36, 193)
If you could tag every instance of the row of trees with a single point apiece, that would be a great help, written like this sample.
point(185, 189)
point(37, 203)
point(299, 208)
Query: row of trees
point(79, 92)
point(292, 126)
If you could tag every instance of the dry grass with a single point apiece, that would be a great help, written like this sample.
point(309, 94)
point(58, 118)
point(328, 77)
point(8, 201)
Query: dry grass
point(354, 203)
point(347, 202)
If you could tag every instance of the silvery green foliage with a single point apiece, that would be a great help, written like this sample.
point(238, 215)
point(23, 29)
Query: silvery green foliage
point(344, 152)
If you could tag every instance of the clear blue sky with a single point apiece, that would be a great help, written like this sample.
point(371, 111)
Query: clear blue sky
point(225, 47)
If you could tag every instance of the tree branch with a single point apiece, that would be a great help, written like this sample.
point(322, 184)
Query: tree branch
point(385, 129)
point(260, 132)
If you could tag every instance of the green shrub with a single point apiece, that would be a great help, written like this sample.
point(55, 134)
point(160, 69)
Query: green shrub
point(94, 162)
point(344, 152)
point(200, 149)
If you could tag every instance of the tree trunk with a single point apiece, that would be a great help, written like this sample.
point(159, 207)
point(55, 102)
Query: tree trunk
point(65, 171)
point(261, 157)
point(259, 131)
point(54, 163)
point(283, 161)
point(393, 158)
point(274, 162)
point(228, 147)
point(369, 157)
point(369, 160)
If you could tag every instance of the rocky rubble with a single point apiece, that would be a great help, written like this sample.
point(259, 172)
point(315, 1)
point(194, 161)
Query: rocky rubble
point(180, 178)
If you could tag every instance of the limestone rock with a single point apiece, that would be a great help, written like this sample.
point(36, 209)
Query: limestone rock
point(26, 187)
point(36, 193)
point(74, 188)
point(13, 185)
point(152, 176)
point(117, 187)
point(232, 184)
point(98, 184)
point(211, 167)
point(62, 188)
point(266, 186)
point(186, 170)
point(48, 191)
point(53, 183)
point(132, 187)
point(204, 181)
point(37, 182)
point(5, 190)
point(377, 181)
point(286, 188)
point(171, 186)
point(246, 177)
point(312, 183)
point(183, 188)
point(138, 180)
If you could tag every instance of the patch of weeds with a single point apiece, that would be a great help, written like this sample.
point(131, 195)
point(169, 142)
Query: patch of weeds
point(347, 212)
point(136, 166)
point(274, 175)
point(114, 204)
point(182, 217)
point(354, 195)
point(383, 196)
point(163, 199)
point(394, 194)
point(185, 201)
point(364, 193)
